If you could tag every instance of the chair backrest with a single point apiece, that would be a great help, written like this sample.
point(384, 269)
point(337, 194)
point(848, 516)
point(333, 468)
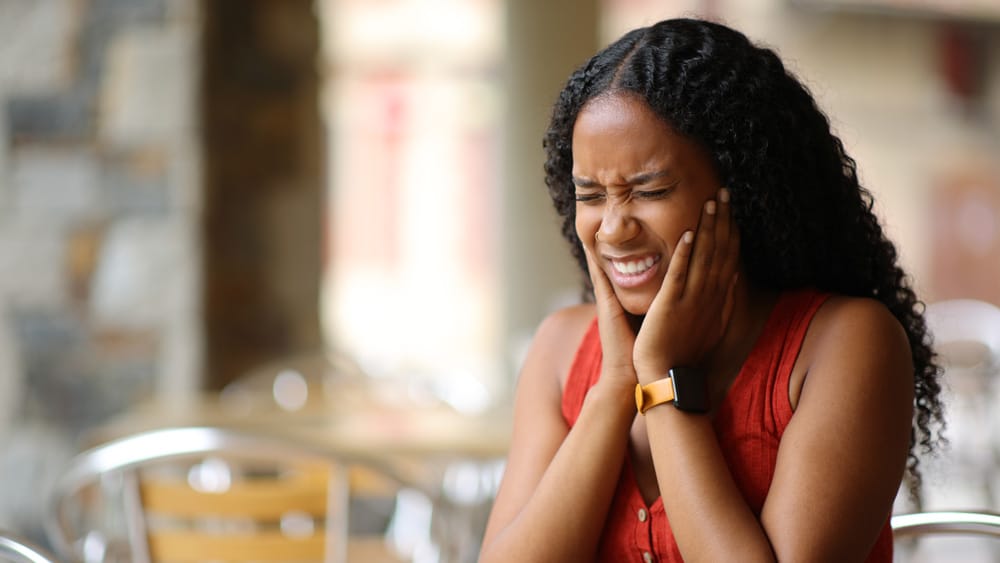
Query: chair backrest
point(15, 549)
point(966, 336)
point(968, 320)
point(924, 537)
point(211, 494)
point(946, 522)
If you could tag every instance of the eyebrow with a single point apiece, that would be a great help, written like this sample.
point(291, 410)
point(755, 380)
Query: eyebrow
point(642, 178)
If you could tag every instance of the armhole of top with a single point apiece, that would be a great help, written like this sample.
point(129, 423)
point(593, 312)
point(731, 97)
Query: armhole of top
point(803, 313)
point(578, 380)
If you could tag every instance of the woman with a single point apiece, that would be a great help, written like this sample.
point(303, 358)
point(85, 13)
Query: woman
point(754, 371)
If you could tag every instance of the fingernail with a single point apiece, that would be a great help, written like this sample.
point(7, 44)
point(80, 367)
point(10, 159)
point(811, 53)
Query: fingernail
point(688, 237)
point(710, 207)
point(724, 195)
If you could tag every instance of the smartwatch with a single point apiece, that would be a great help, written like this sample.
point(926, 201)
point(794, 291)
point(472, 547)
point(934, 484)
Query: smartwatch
point(685, 387)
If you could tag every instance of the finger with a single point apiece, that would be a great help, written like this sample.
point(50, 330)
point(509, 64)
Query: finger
point(723, 226)
point(602, 286)
point(731, 254)
point(675, 281)
point(704, 248)
point(609, 309)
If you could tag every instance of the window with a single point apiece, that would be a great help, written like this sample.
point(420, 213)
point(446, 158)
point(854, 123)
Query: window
point(412, 104)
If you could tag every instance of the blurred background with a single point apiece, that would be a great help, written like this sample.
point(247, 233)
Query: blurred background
point(190, 190)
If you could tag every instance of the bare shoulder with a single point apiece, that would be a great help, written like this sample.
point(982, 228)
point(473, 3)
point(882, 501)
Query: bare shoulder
point(844, 323)
point(558, 337)
point(862, 339)
point(846, 446)
point(575, 318)
point(862, 311)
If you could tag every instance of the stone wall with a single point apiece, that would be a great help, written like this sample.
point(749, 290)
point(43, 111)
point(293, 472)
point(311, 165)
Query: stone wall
point(99, 225)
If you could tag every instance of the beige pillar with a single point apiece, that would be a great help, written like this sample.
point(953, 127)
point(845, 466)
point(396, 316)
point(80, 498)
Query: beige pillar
point(546, 41)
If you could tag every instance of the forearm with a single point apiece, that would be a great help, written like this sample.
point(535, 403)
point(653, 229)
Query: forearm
point(708, 515)
point(563, 519)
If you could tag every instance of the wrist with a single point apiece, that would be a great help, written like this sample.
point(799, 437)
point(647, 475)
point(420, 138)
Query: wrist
point(614, 395)
point(649, 374)
point(684, 388)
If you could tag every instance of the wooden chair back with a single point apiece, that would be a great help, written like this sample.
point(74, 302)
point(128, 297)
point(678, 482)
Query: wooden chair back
point(208, 494)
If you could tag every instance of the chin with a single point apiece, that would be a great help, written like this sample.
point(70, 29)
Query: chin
point(635, 306)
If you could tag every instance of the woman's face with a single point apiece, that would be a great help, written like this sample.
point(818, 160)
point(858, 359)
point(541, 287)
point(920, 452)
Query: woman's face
point(641, 186)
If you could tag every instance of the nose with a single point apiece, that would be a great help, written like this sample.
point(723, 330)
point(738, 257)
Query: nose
point(617, 225)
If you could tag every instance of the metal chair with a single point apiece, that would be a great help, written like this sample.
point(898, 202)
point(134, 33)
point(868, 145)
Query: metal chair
point(212, 494)
point(946, 522)
point(966, 336)
point(946, 526)
point(15, 549)
point(330, 382)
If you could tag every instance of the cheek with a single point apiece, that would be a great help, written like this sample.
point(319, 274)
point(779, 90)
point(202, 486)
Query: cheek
point(586, 227)
point(674, 222)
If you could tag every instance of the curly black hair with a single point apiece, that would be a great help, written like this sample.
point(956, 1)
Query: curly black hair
point(804, 218)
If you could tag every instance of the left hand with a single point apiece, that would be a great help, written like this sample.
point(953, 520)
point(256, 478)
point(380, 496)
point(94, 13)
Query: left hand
point(692, 309)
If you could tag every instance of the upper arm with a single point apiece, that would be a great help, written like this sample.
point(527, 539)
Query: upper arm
point(843, 453)
point(539, 427)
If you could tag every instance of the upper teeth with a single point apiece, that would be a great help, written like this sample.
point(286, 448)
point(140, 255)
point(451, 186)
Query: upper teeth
point(634, 267)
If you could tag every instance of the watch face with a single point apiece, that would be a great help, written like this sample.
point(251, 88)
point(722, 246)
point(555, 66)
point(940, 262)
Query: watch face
point(690, 390)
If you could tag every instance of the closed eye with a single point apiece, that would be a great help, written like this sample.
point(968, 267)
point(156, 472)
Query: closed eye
point(589, 198)
point(652, 194)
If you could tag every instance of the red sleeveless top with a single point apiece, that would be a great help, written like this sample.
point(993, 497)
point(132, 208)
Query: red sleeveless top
point(748, 424)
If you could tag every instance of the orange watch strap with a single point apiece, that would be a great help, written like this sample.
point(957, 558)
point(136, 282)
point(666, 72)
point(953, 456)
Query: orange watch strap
point(655, 393)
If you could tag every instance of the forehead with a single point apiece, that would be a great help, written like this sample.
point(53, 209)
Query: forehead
point(620, 135)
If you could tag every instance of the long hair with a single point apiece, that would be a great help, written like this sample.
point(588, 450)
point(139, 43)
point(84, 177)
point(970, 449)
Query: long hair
point(804, 218)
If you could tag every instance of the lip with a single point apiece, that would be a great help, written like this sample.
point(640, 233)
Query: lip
point(628, 281)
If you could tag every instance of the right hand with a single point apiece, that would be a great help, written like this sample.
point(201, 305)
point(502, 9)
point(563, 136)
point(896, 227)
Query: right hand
point(693, 306)
point(617, 337)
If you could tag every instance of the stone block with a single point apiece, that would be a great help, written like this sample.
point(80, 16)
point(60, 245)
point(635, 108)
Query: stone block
point(77, 376)
point(11, 382)
point(48, 182)
point(148, 89)
point(50, 117)
point(135, 181)
point(82, 248)
point(31, 262)
point(144, 270)
point(36, 54)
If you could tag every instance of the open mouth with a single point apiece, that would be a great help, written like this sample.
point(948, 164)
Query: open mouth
point(634, 267)
point(633, 273)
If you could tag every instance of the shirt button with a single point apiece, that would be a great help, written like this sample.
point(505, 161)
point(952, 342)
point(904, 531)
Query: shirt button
point(647, 557)
point(642, 515)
